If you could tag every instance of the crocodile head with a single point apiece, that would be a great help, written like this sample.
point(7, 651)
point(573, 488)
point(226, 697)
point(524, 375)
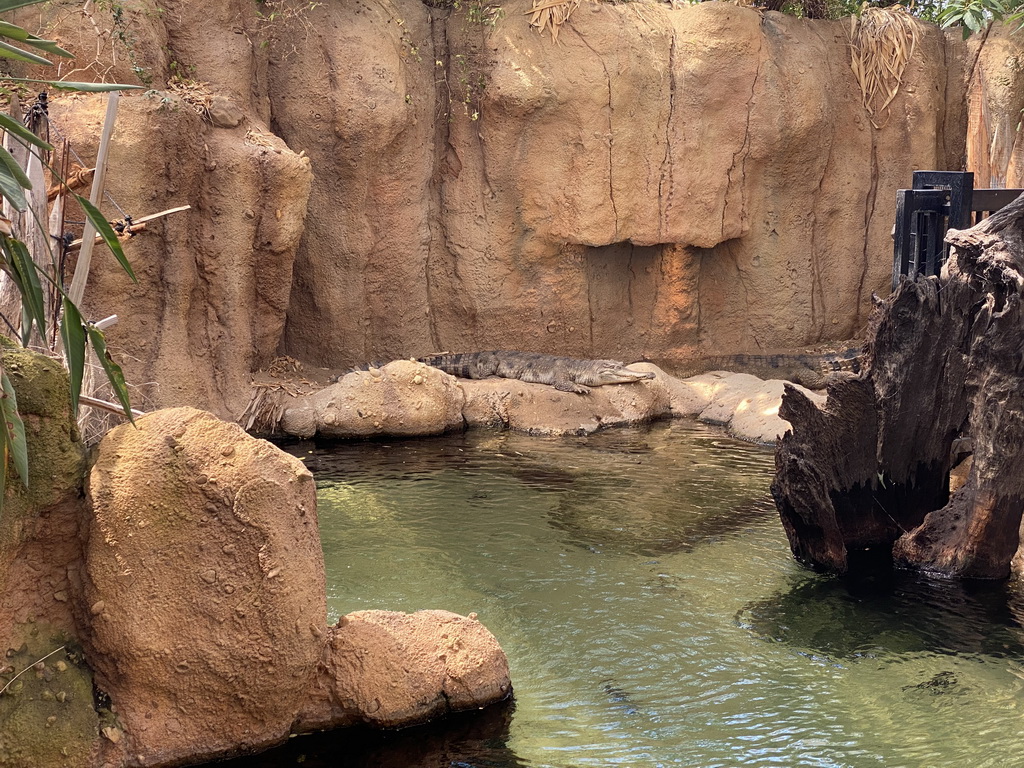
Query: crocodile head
point(614, 372)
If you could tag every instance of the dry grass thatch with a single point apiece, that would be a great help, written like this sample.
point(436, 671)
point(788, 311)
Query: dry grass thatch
point(194, 93)
point(551, 14)
point(882, 42)
point(265, 409)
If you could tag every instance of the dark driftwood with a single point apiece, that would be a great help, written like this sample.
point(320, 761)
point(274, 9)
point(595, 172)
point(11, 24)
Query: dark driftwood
point(866, 479)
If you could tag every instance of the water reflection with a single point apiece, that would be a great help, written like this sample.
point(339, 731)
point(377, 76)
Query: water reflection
point(913, 613)
point(642, 587)
point(464, 740)
point(623, 491)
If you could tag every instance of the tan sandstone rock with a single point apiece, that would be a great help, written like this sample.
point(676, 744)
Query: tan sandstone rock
point(678, 181)
point(995, 151)
point(543, 410)
point(401, 398)
point(194, 581)
point(746, 405)
point(681, 180)
point(204, 577)
point(214, 282)
point(394, 669)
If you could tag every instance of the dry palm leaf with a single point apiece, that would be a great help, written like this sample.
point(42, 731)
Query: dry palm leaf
point(882, 41)
point(194, 93)
point(553, 13)
point(265, 409)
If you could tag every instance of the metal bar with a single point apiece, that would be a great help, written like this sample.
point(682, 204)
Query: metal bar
point(939, 201)
point(901, 236)
point(991, 200)
point(907, 235)
point(932, 250)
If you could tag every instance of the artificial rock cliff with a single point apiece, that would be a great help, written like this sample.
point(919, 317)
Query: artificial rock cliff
point(384, 179)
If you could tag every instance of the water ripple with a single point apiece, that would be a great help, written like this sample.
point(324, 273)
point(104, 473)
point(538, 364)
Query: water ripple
point(641, 585)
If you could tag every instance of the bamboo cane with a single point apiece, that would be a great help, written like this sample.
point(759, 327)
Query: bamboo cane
point(88, 236)
point(140, 223)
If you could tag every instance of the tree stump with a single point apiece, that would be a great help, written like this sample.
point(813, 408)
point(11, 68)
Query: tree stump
point(864, 481)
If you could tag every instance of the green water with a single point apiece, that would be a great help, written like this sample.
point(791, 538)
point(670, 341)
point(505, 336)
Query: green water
point(642, 587)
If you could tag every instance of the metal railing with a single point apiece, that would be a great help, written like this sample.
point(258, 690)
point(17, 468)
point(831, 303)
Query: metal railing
point(940, 200)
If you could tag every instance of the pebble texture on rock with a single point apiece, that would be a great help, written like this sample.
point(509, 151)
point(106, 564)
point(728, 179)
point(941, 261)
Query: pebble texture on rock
point(205, 585)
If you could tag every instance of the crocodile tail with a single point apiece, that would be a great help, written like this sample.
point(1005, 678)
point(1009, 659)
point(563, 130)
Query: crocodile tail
point(465, 365)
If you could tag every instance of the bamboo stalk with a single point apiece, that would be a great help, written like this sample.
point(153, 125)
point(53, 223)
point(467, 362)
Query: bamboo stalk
point(88, 236)
point(103, 405)
point(135, 223)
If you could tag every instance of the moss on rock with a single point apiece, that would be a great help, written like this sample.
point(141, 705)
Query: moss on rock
point(56, 453)
point(47, 713)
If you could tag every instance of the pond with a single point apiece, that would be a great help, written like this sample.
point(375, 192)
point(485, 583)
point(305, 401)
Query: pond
point(641, 584)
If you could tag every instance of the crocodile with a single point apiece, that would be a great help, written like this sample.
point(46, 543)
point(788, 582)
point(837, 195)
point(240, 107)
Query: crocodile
point(811, 370)
point(566, 374)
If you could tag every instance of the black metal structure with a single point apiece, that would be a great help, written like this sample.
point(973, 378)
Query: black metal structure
point(940, 200)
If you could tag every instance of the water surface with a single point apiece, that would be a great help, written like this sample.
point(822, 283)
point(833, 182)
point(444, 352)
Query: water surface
point(641, 585)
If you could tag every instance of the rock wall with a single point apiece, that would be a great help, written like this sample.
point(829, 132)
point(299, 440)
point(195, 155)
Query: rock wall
point(662, 182)
point(996, 98)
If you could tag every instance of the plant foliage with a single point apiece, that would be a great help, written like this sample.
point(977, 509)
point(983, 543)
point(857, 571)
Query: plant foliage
point(22, 269)
point(976, 15)
point(970, 15)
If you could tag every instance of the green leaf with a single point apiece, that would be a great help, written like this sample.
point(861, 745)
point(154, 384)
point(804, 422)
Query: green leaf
point(107, 233)
point(114, 374)
point(16, 170)
point(14, 32)
point(5, 454)
point(11, 125)
point(13, 429)
point(8, 51)
point(23, 272)
point(72, 336)
point(11, 188)
point(60, 85)
point(10, 5)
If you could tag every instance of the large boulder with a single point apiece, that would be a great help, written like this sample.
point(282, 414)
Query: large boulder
point(394, 669)
point(746, 405)
point(189, 588)
point(204, 586)
point(401, 398)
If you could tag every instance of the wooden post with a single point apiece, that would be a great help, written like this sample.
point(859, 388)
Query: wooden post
point(77, 290)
